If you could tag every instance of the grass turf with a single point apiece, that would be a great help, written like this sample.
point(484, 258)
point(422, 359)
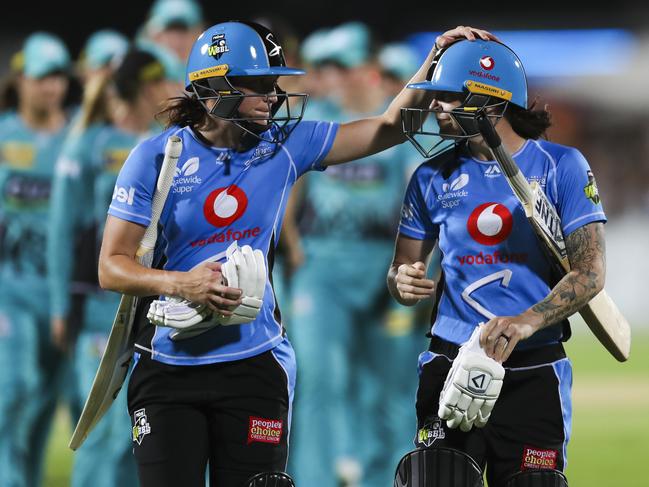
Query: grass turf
point(610, 424)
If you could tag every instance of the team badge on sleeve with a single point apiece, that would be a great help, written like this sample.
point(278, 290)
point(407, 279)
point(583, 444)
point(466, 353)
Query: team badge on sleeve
point(590, 190)
point(141, 426)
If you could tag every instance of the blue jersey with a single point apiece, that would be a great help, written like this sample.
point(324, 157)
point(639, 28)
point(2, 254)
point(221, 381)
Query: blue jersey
point(492, 262)
point(219, 196)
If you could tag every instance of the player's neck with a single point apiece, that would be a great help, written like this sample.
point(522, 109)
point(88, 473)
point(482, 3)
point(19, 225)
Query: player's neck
point(221, 133)
point(42, 120)
point(511, 141)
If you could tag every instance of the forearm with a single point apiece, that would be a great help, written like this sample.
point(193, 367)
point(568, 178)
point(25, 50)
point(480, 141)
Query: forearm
point(408, 98)
point(586, 250)
point(123, 274)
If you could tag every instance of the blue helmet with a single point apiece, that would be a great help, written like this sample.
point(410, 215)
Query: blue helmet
point(488, 76)
point(483, 67)
point(242, 49)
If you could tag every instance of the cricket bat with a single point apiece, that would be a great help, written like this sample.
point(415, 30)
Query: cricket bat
point(601, 314)
point(117, 356)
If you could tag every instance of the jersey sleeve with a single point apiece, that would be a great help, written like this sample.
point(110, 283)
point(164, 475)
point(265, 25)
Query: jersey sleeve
point(415, 219)
point(578, 201)
point(135, 186)
point(67, 203)
point(310, 143)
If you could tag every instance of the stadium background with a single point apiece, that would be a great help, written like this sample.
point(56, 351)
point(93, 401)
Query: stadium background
point(595, 80)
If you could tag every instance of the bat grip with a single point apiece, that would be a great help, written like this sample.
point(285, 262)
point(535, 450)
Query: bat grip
point(487, 130)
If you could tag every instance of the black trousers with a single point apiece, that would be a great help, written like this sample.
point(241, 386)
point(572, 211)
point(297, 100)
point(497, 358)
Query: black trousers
point(529, 427)
point(233, 415)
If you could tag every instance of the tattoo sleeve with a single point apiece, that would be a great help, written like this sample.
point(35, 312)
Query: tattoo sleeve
point(586, 252)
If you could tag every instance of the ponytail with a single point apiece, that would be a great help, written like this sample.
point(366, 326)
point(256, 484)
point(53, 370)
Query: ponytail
point(184, 111)
point(94, 106)
point(529, 123)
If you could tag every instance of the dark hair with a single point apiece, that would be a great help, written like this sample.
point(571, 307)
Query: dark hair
point(135, 69)
point(9, 92)
point(185, 111)
point(529, 123)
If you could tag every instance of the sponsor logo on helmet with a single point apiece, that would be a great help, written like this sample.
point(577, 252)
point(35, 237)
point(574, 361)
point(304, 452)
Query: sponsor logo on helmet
point(490, 223)
point(220, 70)
point(487, 62)
point(485, 89)
point(590, 190)
point(224, 206)
point(218, 47)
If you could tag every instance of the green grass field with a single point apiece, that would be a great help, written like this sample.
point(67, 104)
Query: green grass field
point(610, 435)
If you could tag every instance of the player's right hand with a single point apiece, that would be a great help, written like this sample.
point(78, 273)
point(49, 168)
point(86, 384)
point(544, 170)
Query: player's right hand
point(204, 285)
point(412, 284)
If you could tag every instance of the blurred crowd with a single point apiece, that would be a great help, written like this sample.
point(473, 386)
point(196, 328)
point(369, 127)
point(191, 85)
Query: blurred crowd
point(66, 127)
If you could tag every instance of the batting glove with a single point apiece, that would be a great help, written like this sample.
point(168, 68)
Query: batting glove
point(472, 387)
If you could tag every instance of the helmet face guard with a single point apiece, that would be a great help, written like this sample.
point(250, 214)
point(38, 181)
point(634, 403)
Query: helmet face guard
point(429, 143)
point(243, 50)
point(486, 74)
point(283, 108)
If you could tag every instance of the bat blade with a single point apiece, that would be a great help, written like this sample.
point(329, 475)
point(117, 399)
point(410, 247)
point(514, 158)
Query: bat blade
point(117, 356)
point(601, 314)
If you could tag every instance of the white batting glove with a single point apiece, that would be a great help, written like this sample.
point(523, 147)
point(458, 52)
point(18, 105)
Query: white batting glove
point(177, 313)
point(244, 268)
point(472, 387)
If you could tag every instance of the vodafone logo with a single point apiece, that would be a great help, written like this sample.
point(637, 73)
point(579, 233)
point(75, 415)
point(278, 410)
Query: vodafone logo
point(490, 223)
point(487, 62)
point(224, 206)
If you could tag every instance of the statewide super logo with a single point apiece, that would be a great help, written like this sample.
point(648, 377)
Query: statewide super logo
point(487, 62)
point(224, 206)
point(590, 190)
point(185, 177)
point(490, 223)
point(218, 47)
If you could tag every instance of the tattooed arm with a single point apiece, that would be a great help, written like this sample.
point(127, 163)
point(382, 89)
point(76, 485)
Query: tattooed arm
point(586, 252)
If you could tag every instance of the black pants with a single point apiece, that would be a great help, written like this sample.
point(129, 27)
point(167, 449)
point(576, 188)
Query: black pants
point(234, 415)
point(529, 426)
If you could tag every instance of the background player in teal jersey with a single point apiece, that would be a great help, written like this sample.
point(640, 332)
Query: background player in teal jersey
point(223, 396)
point(347, 216)
point(31, 367)
point(114, 118)
point(494, 269)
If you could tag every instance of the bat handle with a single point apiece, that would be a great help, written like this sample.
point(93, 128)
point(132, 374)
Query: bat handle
point(488, 131)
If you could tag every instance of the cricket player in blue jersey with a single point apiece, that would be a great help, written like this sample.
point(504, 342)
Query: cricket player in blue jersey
point(495, 271)
point(214, 379)
point(31, 366)
point(110, 126)
point(347, 217)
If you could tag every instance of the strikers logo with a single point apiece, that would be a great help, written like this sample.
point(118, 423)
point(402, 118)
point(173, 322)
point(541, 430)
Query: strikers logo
point(490, 223)
point(224, 206)
point(487, 63)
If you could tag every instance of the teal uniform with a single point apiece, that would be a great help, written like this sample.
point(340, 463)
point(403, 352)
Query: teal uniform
point(31, 369)
point(354, 392)
point(83, 188)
